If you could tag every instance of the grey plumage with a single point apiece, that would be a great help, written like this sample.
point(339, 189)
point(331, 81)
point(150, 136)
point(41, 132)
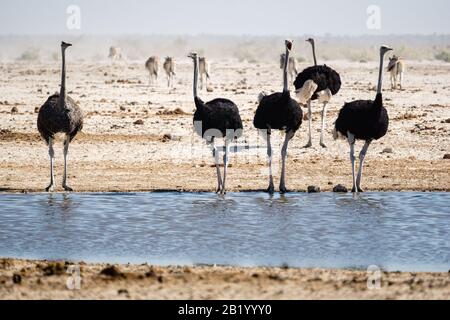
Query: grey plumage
point(59, 114)
point(51, 121)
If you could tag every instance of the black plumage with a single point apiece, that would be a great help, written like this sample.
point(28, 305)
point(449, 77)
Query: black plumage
point(323, 76)
point(278, 111)
point(218, 118)
point(220, 114)
point(365, 119)
point(51, 121)
point(318, 82)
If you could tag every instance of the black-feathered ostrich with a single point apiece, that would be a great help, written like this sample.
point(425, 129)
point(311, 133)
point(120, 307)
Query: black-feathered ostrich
point(317, 83)
point(279, 111)
point(59, 114)
point(363, 120)
point(218, 118)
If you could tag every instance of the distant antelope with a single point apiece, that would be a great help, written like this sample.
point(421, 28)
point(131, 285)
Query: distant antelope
point(152, 66)
point(115, 53)
point(292, 66)
point(397, 68)
point(203, 67)
point(169, 67)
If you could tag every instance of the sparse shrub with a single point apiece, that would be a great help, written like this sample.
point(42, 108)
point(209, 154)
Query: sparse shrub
point(443, 56)
point(29, 55)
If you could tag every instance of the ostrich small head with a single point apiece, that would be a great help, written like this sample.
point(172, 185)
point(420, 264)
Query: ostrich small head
point(193, 55)
point(385, 49)
point(65, 45)
point(310, 40)
point(288, 44)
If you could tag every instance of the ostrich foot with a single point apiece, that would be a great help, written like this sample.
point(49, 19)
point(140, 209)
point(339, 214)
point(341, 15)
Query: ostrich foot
point(283, 190)
point(323, 145)
point(308, 145)
point(50, 188)
point(67, 188)
point(270, 189)
point(359, 190)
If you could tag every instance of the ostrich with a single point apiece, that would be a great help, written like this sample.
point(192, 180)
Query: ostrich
point(204, 71)
point(59, 114)
point(218, 118)
point(363, 120)
point(396, 67)
point(115, 53)
point(292, 66)
point(317, 83)
point(169, 67)
point(152, 66)
point(279, 111)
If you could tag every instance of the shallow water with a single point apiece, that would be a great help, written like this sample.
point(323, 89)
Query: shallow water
point(395, 231)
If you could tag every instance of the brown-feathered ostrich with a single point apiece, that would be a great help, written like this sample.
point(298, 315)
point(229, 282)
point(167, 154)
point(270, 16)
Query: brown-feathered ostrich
point(279, 111)
point(59, 114)
point(218, 118)
point(317, 83)
point(363, 120)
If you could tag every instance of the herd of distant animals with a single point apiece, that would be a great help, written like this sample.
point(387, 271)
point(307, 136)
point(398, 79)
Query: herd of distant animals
point(365, 120)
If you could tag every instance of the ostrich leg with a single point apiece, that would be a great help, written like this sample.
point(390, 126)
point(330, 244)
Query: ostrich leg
point(324, 115)
point(309, 144)
point(351, 142)
point(51, 153)
point(289, 136)
point(362, 156)
point(225, 165)
point(271, 188)
point(66, 150)
point(215, 153)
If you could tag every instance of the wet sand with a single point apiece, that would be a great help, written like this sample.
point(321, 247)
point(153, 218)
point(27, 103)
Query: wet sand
point(30, 279)
point(116, 153)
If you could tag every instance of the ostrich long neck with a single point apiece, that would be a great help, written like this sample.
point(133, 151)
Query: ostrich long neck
point(314, 52)
point(380, 76)
point(195, 76)
point(62, 92)
point(285, 77)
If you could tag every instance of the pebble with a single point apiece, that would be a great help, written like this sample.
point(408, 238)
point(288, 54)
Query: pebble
point(340, 189)
point(17, 278)
point(313, 189)
point(111, 271)
point(387, 150)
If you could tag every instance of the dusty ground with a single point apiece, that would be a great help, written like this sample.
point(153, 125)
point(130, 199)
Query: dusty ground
point(26, 279)
point(115, 154)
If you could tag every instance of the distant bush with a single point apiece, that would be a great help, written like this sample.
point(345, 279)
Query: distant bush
point(29, 55)
point(443, 56)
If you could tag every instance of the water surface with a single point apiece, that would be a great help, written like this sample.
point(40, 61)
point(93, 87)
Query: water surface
point(396, 231)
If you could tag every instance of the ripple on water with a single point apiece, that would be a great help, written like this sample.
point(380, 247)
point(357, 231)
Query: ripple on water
point(396, 231)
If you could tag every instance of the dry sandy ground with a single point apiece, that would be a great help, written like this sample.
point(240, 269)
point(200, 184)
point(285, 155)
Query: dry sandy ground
point(26, 279)
point(115, 154)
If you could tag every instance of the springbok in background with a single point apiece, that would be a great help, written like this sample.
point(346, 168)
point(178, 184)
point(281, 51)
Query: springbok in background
point(115, 53)
point(397, 68)
point(169, 67)
point(292, 66)
point(152, 66)
point(203, 67)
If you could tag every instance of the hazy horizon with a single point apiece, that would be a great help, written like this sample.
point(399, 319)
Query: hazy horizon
point(218, 18)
